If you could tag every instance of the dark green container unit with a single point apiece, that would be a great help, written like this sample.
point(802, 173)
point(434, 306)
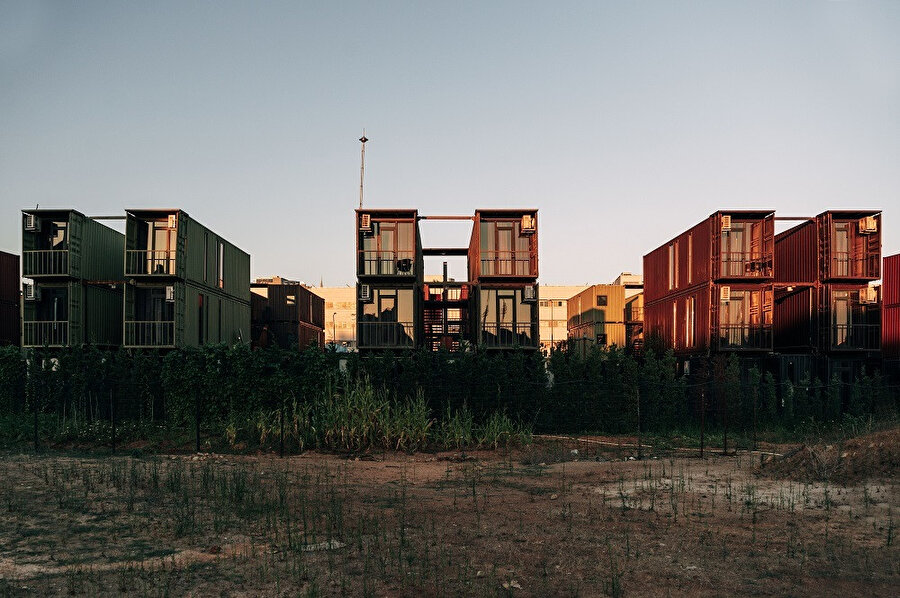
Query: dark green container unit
point(187, 286)
point(76, 268)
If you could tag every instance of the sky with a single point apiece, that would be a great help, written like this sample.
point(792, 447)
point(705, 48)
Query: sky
point(623, 123)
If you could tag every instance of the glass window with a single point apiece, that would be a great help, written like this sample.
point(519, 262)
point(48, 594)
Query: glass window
point(220, 254)
point(601, 300)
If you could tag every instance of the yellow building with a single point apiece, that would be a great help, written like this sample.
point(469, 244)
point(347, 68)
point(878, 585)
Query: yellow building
point(596, 316)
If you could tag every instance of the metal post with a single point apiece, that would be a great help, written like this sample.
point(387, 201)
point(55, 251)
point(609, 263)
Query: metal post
point(640, 446)
point(281, 432)
point(362, 167)
point(702, 416)
point(724, 400)
point(197, 419)
point(755, 400)
point(112, 416)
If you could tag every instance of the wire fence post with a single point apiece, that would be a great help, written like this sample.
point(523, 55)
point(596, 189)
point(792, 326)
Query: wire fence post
point(702, 417)
point(755, 400)
point(722, 399)
point(281, 431)
point(112, 416)
point(640, 450)
point(197, 419)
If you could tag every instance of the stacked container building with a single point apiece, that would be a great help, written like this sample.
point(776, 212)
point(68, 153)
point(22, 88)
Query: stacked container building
point(186, 285)
point(9, 299)
point(495, 308)
point(827, 314)
point(287, 314)
point(710, 289)
point(75, 265)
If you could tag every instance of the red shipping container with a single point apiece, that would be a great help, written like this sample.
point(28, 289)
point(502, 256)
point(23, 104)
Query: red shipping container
point(10, 281)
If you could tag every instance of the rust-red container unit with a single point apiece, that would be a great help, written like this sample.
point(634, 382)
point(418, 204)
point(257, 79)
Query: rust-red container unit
point(10, 282)
point(710, 287)
point(890, 315)
point(849, 244)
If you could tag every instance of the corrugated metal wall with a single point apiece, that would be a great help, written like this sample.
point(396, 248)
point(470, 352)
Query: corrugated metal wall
point(10, 333)
point(102, 315)
point(10, 282)
point(100, 255)
point(890, 314)
point(795, 321)
point(796, 254)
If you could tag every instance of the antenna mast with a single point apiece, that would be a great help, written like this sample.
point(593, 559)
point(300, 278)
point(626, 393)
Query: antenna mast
point(362, 166)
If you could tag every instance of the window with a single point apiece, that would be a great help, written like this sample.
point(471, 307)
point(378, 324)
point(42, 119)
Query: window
point(690, 259)
point(220, 266)
point(689, 322)
point(841, 249)
point(205, 257)
point(601, 300)
point(671, 266)
point(674, 323)
point(601, 339)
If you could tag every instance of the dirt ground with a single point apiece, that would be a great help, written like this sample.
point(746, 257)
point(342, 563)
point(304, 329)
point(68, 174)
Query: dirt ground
point(537, 521)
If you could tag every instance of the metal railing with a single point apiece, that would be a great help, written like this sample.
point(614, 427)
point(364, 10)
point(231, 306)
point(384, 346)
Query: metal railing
point(45, 334)
point(849, 265)
point(385, 334)
point(45, 262)
point(520, 334)
point(140, 262)
point(507, 263)
point(856, 337)
point(745, 337)
point(634, 314)
point(742, 264)
point(387, 263)
point(150, 334)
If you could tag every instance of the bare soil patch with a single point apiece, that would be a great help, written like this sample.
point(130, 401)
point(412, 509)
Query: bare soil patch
point(536, 521)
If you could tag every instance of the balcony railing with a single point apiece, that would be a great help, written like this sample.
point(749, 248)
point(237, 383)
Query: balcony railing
point(45, 334)
point(507, 335)
point(507, 263)
point(739, 337)
point(141, 262)
point(849, 265)
point(855, 337)
point(45, 262)
point(634, 314)
point(387, 263)
point(385, 334)
point(150, 334)
point(745, 265)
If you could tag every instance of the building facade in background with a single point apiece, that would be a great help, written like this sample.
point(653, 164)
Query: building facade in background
point(286, 314)
point(596, 318)
point(495, 308)
point(710, 289)
point(553, 314)
point(186, 285)
point(10, 296)
point(340, 316)
point(890, 318)
point(74, 265)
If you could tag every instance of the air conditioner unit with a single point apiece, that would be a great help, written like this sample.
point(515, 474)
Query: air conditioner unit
point(32, 223)
point(530, 293)
point(365, 293)
point(365, 222)
point(170, 294)
point(724, 294)
point(31, 292)
point(726, 222)
point(173, 220)
point(528, 223)
point(868, 295)
point(868, 225)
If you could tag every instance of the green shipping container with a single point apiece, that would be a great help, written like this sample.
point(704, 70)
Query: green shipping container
point(66, 243)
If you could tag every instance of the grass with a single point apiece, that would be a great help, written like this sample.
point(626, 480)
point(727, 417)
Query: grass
point(322, 525)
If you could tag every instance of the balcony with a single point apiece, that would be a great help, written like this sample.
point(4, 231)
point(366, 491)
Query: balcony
point(144, 262)
point(45, 334)
point(385, 335)
point(740, 337)
point(149, 334)
point(744, 265)
point(507, 335)
point(507, 263)
point(634, 313)
point(386, 263)
point(45, 262)
point(855, 337)
point(849, 265)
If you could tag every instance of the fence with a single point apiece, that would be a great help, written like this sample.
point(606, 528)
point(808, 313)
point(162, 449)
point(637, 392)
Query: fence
point(228, 397)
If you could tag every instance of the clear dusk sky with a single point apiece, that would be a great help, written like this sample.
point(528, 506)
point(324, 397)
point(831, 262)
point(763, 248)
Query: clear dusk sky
point(624, 123)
